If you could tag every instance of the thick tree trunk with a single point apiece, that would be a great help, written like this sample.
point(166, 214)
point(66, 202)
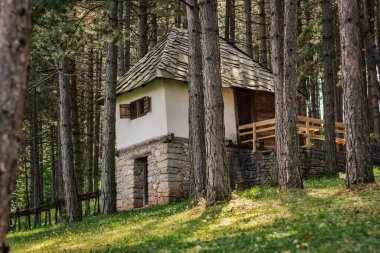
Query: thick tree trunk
point(263, 34)
point(97, 122)
point(217, 186)
point(248, 26)
point(358, 158)
point(15, 33)
point(227, 20)
point(277, 59)
point(328, 87)
point(75, 128)
point(197, 143)
point(154, 32)
point(73, 206)
point(127, 57)
point(143, 27)
point(177, 22)
point(288, 160)
point(120, 30)
point(232, 23)
point(108, 155)
point(90, 126)
point(367, 9)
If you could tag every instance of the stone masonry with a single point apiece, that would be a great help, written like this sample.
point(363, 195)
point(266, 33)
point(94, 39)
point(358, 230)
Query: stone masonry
point(166, 162)
point(167, 178)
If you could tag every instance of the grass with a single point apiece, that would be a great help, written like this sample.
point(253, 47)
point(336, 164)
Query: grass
point(325, 217)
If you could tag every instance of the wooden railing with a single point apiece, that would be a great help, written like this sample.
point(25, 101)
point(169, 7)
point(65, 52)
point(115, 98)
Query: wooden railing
point(262, 133)
point(56, 206)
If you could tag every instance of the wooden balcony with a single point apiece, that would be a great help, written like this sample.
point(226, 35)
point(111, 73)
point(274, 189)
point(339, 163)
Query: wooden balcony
point(262, 134)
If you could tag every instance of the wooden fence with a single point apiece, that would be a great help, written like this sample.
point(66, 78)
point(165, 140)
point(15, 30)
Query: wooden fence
point(15, 217)
point(262, 133)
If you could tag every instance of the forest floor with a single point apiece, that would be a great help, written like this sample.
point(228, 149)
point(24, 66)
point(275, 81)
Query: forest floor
point(324, 217)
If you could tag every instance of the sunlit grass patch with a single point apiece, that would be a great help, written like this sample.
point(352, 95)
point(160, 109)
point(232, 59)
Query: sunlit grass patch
point(323, 217)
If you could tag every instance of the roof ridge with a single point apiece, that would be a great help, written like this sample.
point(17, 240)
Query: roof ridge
point(169, 41)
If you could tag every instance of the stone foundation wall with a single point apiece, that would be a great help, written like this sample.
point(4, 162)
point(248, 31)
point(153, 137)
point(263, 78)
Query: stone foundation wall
point(167, 178)
point(166, 160)
point(248, 169)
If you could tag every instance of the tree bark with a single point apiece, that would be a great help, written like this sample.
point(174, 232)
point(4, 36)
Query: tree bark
point(73, 206)
point(197, 143)
point(36, 172)
point(143, 27)
point(108, 155)
point(75, 128)
point(53, 165)
point(288, 159)
point(248, 26)
point(90, 126)
point(217, 186)
point(15, 33)
point(277, 59)
point(97, 122)
point(227, 21)
point(120, 53)
point(367, 10)
point(127, 57)
point(177, 22)
point(358, 157)
point(328, 87)
point(263, 34)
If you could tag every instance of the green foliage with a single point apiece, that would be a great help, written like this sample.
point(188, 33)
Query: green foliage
point(374, 137)
point(325, 217)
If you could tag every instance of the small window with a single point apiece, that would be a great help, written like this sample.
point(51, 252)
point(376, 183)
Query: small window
point(135, 109)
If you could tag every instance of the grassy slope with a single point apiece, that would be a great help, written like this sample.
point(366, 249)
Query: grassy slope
point(325, 217)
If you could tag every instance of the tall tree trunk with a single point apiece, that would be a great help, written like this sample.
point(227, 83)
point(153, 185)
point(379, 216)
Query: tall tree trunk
point(75, 128)
point(154, 27)
point(227, 20)
point(358, 157)
point(277, 59)
point(120, 30)
point(288, 160)
point(232, 23)
point(60, 187)
point(217, 186)
point(127, 57)
point(35, 165)
point(143, 27)
point(73, 205)
point(314, 98)
point(97, 121)
point(263, 34)
point(367, 9)
point(108, 156)
point(197, 144)
point(27, 198)
point(248, 26)
point(177, 22)
point(90, 126)
point(328, 87)
point(53, 165)
point(15, 40)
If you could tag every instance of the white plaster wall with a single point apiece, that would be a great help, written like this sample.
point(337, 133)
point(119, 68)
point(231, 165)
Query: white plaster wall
point(177, 106)
point(169, 114)
point(153, 124)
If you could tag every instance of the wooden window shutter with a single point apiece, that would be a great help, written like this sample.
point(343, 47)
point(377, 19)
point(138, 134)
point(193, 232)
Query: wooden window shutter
point(125, 112)
point(133, 110)
point(146, 104)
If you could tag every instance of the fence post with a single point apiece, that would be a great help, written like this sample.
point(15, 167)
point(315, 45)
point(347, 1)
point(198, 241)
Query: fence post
point(254, 137)
point(307, 133)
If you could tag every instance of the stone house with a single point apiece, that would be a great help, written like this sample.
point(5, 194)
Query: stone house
point(152, 123)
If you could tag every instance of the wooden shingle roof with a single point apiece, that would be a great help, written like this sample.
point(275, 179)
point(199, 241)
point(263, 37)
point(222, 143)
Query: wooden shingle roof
point(169, 59)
